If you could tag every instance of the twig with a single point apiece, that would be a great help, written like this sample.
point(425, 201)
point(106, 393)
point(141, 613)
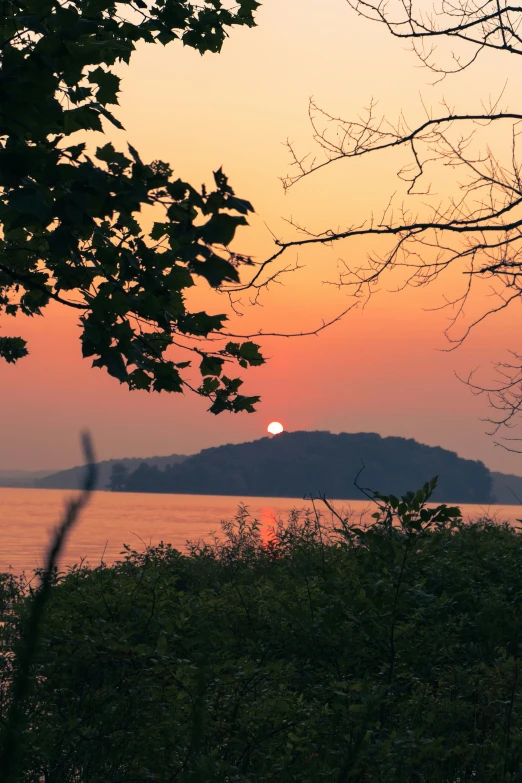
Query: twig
point(11, 737)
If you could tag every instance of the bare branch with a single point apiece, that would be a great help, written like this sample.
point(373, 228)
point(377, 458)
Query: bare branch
point(476, 227)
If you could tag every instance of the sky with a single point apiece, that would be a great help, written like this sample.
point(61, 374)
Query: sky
point(385, 368)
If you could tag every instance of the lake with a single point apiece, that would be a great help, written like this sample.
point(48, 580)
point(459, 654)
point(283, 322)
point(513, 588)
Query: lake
point(27, 517)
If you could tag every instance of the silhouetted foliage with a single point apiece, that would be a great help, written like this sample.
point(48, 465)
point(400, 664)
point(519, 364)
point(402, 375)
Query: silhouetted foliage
point(330, 651)
point(119, 476)
point(69, 218)
point(300, 463)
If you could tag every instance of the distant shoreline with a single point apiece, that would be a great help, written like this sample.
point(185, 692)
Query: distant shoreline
point(299, 500)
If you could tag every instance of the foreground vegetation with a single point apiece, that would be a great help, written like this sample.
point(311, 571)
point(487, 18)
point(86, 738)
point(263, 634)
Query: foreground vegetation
point(389, 652)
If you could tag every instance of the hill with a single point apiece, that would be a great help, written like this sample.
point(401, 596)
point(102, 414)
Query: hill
point(506, 488)
point(72, 478)
point(22, 478)
point(301, 463)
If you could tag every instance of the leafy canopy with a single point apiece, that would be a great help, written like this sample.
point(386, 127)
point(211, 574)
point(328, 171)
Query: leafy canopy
point(70, 220)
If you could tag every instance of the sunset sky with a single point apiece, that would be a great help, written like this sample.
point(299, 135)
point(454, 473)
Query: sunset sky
point(383, 369)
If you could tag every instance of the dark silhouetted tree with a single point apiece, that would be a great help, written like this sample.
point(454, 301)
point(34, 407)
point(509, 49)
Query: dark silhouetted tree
point(119, 474)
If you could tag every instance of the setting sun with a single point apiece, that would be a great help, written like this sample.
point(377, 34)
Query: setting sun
point(275, 427)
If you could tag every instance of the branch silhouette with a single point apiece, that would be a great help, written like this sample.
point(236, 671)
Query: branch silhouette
point(476, 228)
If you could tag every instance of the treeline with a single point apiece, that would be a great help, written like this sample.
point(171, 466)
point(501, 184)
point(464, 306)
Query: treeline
point(303, 463)
point(326, 651)
point(72, 478)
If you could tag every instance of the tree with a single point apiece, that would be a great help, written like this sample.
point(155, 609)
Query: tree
point(118, 477)
point(479, 227)
point(70, 229)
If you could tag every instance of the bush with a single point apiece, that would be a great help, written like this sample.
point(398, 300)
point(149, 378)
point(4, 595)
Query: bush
point(386, 652)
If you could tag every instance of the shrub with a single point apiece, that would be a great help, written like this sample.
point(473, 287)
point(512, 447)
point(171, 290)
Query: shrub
point(386, 652)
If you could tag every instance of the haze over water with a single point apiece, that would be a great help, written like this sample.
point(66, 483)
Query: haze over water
point(27, 517)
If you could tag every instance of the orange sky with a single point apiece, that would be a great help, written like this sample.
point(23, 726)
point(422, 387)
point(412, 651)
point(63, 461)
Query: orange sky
point(379, 370)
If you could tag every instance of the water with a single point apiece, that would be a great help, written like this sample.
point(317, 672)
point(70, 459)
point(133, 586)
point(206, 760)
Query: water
point(28, 516)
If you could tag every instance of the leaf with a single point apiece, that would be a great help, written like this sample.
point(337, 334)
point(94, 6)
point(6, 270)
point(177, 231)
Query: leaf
point(216, 271)
point(167, 377)
point(138, 379)
point(158, 231)
point(112, 360)
point(108, 154)
point(246, 10)
point(240, 205)
point(108, 115)
point(209, 386)
point(108, 85)
point(221, 228)
point(76, 150)
point(200, 324)
point(82, 118)
point(135, 154)
point(211, 365)
point(166, 36)
point(12, 349)
point(247, 353)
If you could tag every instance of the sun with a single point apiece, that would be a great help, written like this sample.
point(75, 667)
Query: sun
point(275, 427)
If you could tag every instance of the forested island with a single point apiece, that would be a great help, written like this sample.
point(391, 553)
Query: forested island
point(295, 464)
point(256, 468)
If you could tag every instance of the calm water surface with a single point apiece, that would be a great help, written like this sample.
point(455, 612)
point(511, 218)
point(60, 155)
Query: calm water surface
point(27, 517)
